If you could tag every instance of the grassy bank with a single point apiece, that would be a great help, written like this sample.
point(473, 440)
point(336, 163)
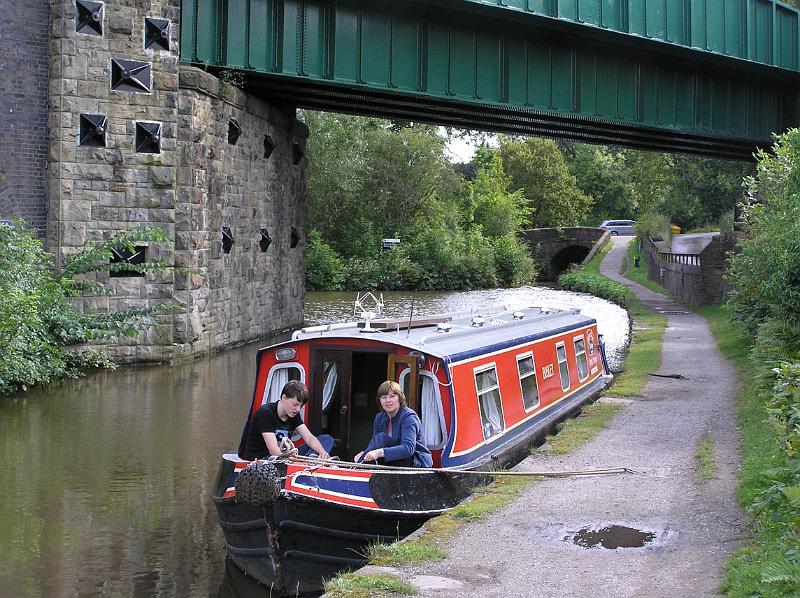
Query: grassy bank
point(644, 356)
point(769, 566)
point(639, 275)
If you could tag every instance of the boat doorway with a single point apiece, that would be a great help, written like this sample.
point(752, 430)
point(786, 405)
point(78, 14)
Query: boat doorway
point(343, 396)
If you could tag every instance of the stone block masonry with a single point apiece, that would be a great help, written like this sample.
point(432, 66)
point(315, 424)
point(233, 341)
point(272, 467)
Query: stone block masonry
point(137, 139)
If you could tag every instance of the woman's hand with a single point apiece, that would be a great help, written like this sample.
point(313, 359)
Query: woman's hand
point(357, 458)
point(374, 455)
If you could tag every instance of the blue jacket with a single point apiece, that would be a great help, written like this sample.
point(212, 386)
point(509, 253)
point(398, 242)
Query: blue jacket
point(406, 435)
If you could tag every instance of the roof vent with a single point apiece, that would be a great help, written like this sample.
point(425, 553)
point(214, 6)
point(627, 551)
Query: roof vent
point(478, 321)
point(443, 327)
point(519, 315)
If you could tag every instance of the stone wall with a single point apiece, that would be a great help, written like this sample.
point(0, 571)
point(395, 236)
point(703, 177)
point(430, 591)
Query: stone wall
point(23, 106)
point(130, 146)
point(253, 185)
point(701, 284)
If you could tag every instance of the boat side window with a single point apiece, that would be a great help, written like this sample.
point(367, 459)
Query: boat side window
point(431, 414)
point(278, 376)
point(563, 368)
point(491, 408)
point(580, 357)
point(527, 381)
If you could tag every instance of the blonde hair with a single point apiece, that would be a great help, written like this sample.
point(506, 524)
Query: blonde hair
point(391, 387)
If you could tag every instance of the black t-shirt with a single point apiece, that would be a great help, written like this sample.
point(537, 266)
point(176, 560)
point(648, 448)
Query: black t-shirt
point(266, 420)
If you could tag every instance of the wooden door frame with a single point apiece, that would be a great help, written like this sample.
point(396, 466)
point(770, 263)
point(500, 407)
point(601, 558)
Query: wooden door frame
point(345, 357)
point(412, 361)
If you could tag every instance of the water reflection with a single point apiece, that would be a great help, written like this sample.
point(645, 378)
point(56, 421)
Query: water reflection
point(106, 480)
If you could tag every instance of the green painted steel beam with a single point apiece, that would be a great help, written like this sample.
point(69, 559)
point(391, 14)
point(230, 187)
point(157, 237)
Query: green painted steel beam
point(762, 31)
point(608, 71)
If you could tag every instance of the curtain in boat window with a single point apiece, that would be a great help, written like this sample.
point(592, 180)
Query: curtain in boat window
point(563, 368)
point(278, 378)
point(432, 416)
point(527, 381)
point(330, 375)
point(489, 402)
point(580, 357)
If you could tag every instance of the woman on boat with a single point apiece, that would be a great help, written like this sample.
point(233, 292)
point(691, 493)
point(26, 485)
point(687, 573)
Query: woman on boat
point(397, 437)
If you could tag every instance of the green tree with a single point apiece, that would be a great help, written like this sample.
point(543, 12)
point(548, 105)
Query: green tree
point(324, 267)
point(703, 190)
point(603, 174)
point(538, 168)
point(765, 274)
point(651, 175)
point(337, 166)
point(497, 211)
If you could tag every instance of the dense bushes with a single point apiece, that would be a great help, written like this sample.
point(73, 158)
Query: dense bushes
point(430, 261)
point(765, 298)
point(37, 321)
point(596, 284)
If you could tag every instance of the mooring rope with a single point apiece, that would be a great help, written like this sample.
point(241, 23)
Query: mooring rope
point(315, 463)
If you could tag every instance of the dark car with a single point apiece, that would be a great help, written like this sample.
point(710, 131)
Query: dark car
point(619, 227)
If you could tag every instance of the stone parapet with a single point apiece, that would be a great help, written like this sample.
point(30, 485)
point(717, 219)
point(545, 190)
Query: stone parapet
point(700, 283)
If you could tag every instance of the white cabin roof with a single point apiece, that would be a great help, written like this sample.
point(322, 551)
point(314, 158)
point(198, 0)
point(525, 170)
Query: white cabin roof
point(458, 335)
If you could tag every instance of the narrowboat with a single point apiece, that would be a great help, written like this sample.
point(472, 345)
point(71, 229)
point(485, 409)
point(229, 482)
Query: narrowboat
point(486, 386)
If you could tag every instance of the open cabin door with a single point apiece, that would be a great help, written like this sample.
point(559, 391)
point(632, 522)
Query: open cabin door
point(331, 392)
point(396, 365)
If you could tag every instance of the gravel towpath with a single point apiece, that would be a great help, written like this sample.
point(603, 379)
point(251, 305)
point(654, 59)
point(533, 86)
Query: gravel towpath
point(522, 551)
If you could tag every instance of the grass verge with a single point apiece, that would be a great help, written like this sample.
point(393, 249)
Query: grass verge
point(644, 353)
point(575, 431)
point(639, 275)
point(706, 465)
point(768, 566)
point(352, 585)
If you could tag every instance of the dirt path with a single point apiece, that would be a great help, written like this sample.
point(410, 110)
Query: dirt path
point(521, 551)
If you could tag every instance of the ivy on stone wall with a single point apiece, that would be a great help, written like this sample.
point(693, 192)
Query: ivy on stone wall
point(39, 327)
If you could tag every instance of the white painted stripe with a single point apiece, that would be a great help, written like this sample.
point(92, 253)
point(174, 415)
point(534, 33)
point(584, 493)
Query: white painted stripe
point(322, 491)
point(511, 348)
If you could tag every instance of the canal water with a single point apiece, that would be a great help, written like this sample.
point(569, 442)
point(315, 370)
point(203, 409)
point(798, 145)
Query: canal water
point(106, 480)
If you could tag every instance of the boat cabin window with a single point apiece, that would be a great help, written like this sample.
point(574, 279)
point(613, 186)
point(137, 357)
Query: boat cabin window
point(489, 401)
point(431, 412)
point(278, 376)
point(563, 368)
point(527, 381)
point(580, 357)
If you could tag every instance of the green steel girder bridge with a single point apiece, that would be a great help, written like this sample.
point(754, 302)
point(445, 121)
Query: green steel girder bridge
point(710, 77)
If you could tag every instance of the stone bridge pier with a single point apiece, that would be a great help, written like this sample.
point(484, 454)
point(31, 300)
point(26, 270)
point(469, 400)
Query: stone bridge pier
point(109, 132)
point(557, 248)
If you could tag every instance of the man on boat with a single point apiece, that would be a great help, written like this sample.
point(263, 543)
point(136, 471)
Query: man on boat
point(281, 419)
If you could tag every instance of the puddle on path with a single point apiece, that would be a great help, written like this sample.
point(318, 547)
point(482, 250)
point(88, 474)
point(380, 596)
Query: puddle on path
point(611, 537)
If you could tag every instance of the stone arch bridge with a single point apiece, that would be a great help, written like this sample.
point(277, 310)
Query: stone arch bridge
point(557, 248)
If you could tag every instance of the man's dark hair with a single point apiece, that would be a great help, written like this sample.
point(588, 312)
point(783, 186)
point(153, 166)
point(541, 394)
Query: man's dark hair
point(294, 389)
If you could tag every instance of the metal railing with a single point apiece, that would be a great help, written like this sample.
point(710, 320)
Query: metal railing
point(689, 259)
